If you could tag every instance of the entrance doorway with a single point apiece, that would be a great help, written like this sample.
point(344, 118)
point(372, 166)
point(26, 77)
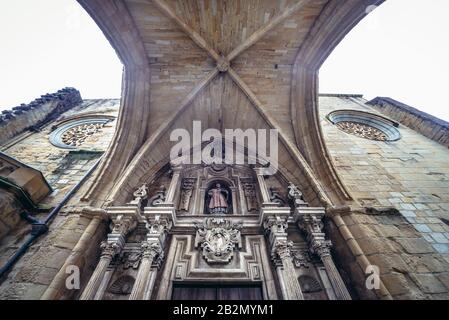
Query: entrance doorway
point(217, 292)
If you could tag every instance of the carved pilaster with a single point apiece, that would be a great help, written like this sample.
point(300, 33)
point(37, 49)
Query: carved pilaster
point(159, 223)
point(276, 230)
point(122, 225)
point(108, 251)
point(262, 185)
point(187, 186)
point(310, 220)
point(149, 252)
point(174, 184)
point(249, 191)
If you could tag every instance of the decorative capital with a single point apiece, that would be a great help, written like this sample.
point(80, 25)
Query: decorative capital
point(151, 250)
point(123, 224)
point(275, 224)
point(283, 249)
point(109, 249)
point(322, 248)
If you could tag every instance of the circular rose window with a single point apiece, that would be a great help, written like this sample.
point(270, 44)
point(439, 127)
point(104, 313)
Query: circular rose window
point(75, 133)
point(365, 125)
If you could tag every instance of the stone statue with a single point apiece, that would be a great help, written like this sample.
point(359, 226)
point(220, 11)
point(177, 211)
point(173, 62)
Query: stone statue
point(218, 200)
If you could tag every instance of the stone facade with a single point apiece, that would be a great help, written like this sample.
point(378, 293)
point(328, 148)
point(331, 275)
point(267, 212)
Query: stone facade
point(357, 210)
point(62, 169)
point(398, 222)
point(405, 232)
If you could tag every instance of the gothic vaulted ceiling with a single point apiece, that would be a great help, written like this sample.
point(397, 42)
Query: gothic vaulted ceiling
point(229, 63)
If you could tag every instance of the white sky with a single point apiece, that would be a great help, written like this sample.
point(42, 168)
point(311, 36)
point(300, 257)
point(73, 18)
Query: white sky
point(400, 50)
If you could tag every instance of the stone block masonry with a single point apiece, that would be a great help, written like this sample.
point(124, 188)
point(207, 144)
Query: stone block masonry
point(37, 113)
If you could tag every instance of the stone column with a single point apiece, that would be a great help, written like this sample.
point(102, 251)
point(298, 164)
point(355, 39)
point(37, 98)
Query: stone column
point(150, 251)
point(57, 287)
point(287, 269)
point(109, 250)
point(104, 284)
point(322, 249)
point(310, 221)
point(276, 228)
point(123, 224)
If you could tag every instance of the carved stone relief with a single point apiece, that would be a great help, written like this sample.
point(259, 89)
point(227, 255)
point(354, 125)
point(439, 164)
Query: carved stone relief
point(122, 285)
point(217, 239)
point(159, 198)
point(249, 189)
point(76, 136)
point(309, 284)
point(275, 197)
point(187, 186)
point(301, 258)
point(362, 130)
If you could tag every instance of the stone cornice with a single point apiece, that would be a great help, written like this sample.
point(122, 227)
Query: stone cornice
point(37, 113)
point(429, 126)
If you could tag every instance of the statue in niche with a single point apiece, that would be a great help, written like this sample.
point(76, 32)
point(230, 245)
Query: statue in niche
point(218, 201)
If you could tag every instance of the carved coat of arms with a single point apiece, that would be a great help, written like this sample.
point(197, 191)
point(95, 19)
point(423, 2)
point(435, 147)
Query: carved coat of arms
point(217, 238)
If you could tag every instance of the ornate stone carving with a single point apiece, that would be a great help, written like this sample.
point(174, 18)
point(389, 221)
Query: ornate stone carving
point(249, 190)
point(275, 197)
point(217, 238)
point(187, 186)
point(122, 225)
point(309, 284)
point(131, 260)
point(159, 198)
point(109, 250)
point(151, 250)
point(362, 130)
point(122, 285)
point(282, 249)
point(301, 259)
point(274, 225)
point(322, 248)
point(76, 136)
point(296, 196)
point(141, 193)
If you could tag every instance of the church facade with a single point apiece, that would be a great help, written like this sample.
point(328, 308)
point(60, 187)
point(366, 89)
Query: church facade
point(95, 207)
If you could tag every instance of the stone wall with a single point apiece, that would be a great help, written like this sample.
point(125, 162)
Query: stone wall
point(37, 113)
point(410, 245)
point(424, 123)
point(62, 168)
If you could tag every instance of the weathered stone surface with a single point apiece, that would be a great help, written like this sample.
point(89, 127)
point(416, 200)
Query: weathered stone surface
point(414, 246)
point(429, 283)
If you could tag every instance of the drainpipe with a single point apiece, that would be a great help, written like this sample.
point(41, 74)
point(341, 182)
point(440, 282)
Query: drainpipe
point(39, 227)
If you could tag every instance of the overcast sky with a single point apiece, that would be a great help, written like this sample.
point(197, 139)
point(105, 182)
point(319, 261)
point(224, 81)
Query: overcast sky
point(400, 50)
